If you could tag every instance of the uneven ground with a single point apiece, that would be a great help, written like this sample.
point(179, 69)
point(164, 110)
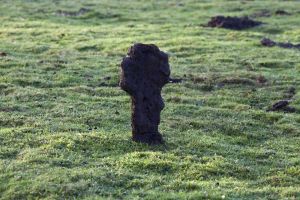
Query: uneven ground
point(65, 125)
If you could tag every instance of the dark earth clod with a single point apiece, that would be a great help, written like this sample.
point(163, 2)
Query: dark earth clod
point(2, 54)
point(282, 12)
point(235, 23)
point(270, 43)
point(268, 13)
point(289, 109)
point(267, 42)
point(143, 74)
point(282, 106)
point(292, 90)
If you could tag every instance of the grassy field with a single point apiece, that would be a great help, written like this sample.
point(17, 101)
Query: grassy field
point(65, 124)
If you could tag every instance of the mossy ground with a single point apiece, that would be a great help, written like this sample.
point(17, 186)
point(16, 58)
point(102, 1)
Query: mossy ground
point(65, 125)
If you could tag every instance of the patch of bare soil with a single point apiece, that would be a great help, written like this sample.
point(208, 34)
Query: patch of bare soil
point(2, 54)
point(282, 12)
point(283, 105)
point(234, 23)
point(268, 13)
point(270, 43)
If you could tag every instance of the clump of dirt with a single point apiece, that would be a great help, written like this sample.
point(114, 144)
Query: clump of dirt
point(235, 23)
point(81, 11)
point(282, 105)
point(282, 12)
point(267, 42)
point(270, 43)
point(107, 78)
point(2, 54)
point(268, 13)
point(292, 90)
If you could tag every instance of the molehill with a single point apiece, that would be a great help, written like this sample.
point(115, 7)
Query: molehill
point(235, 23)
point(144, 71)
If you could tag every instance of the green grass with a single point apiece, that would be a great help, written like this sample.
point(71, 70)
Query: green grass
point(65, 125)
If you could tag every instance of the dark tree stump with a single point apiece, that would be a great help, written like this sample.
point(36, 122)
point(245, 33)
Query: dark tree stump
point(143, 74)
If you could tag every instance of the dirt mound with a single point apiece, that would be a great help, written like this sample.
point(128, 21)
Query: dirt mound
point(268, 13)
point(282, 106)
point(2, 54)
point(270, 43)
point(282, 12)
point(235, 23)
point(267, 42)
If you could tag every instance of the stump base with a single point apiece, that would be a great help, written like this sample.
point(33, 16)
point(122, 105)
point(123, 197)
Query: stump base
point(150, 138)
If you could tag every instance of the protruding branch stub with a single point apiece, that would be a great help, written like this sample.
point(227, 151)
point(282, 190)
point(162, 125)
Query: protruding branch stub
point(144, 72)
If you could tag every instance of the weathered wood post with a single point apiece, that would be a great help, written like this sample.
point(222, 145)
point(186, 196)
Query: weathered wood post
point(144, 71)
